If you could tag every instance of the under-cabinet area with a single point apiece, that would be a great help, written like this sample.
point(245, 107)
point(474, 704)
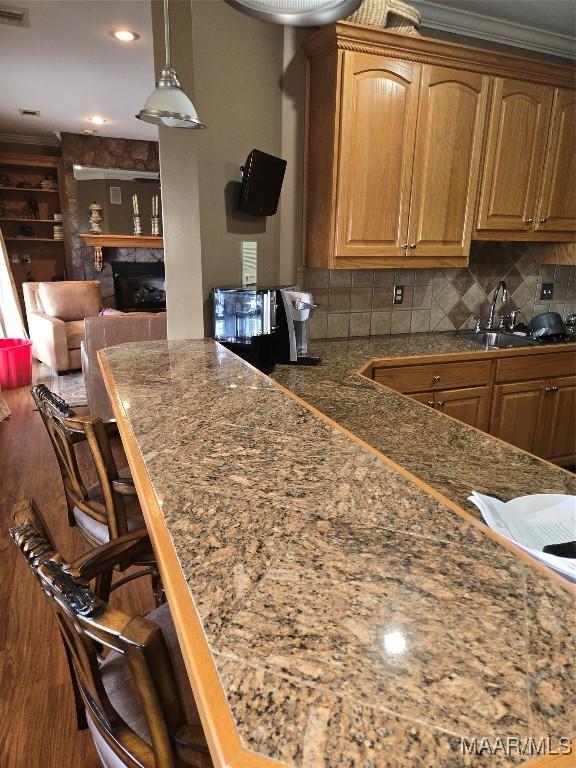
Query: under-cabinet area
point(417, 146)
point(527, 399)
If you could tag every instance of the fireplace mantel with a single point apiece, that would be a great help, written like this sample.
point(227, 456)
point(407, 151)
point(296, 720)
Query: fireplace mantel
point(118, 241)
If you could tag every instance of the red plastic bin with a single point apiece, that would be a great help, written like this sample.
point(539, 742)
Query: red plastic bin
point(15, 363)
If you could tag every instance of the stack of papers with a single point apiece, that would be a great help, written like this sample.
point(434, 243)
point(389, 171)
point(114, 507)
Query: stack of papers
point(533, 522)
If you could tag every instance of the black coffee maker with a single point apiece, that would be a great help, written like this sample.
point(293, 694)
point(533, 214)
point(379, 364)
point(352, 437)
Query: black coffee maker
point(265, 326)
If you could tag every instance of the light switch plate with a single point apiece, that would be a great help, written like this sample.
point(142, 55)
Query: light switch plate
point(546, 291)
point(249, 251)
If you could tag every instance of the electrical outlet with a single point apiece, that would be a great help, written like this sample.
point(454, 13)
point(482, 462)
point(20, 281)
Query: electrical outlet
point(546, 291)
point(249, 252)
point(15, 258)
point(398, 294)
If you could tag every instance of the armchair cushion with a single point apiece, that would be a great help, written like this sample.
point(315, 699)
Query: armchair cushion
point(74, 333)
point(49, 342)
point(71, 299)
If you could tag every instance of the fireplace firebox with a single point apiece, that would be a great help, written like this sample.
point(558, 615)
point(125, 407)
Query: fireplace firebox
point(139, 286)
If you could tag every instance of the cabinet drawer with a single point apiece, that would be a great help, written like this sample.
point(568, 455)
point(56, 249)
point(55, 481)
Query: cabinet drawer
point(536, 366)
point(416, 378)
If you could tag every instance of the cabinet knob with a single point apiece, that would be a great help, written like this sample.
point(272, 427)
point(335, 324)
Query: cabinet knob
point(528, 221)
point(412, 245)
point(404, 246)
point(442, 403)
point(431, 403)
point(551, 389)
point(435, 378)
point(543, 221)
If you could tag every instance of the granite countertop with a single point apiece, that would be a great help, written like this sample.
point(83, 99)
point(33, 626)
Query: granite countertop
point(352, 618)
point(448, 455)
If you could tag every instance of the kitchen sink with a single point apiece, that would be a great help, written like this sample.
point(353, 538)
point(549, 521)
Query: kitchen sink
point(498, 339)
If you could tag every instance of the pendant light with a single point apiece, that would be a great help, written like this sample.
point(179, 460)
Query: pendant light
point(168, 105)
point(298, 13)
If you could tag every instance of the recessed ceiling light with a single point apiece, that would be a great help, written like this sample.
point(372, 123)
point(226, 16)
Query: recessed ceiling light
point(89, 131)
point(124, 35)
point(97, 120)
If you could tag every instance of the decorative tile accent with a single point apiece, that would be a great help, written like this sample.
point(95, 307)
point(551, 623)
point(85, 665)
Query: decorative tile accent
point(459, 314)
point(448, 297)
point(360, 302)
point(473, 296)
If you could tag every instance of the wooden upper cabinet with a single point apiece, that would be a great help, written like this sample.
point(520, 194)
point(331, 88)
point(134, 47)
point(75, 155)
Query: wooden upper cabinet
point(451, 118)
point(379, 105)
point(514, 157)
point(557, 204)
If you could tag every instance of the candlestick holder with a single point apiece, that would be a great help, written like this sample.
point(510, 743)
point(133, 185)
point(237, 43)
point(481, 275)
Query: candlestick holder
point(137, 226)
point(155, 226)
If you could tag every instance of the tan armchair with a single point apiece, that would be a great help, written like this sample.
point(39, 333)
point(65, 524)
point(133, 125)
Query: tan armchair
point(103, 332)
point(55, 313)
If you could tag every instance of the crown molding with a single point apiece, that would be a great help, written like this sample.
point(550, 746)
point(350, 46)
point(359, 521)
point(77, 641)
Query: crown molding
point(21, 138)
point(469, 24)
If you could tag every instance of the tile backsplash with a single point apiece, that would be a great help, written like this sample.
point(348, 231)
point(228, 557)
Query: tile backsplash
point(360, 302)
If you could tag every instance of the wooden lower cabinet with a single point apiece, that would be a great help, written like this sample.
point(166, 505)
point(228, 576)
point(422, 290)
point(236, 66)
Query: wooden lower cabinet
point(470, 404)
point(516, 410)
point(558, 433)
point(538, 416)
point(535, 414)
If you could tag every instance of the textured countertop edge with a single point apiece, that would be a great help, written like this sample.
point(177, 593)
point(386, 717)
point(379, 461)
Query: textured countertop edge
point(452, 505)
point(227, 748)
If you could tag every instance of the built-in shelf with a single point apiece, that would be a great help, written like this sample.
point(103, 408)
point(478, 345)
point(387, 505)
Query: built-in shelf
point(31, 189)
point(30, 221)
point(33, 240)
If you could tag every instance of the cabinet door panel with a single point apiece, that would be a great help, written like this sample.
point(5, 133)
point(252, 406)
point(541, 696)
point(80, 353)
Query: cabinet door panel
point(514, 155)
point(557, 207)
point(379, 105)
point(426, 398)
point(451, 115)
point(558, 439)
point(516, 413)
point(470, 405)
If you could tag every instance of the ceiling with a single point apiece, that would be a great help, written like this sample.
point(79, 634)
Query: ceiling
point(548, 26)
point(557, 16)
point(66, 65)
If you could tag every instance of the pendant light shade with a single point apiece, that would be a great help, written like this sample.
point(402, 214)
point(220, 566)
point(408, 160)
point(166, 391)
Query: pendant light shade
point(298, 13)
point(168, 105)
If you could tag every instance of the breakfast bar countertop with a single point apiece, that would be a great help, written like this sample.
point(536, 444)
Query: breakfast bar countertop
point(336, 608)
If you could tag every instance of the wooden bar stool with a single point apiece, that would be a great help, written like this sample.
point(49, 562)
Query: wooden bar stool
point(130, 684)
point(108, 509)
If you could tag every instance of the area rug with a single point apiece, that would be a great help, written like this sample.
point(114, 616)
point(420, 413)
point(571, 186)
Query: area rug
point(70, 386)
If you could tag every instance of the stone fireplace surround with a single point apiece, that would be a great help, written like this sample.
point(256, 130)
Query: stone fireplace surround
point(131, 154)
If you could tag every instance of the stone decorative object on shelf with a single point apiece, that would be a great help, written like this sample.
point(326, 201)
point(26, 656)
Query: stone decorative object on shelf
point(394, 15)
point(96, 218)
point(49, 182)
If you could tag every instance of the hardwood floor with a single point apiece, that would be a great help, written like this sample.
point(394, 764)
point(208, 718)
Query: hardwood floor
point(37, 721)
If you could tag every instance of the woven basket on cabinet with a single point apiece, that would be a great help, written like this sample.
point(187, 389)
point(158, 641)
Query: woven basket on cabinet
point(394, 15)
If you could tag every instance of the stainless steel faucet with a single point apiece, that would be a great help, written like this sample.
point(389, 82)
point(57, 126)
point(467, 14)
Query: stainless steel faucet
point(501, 284)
